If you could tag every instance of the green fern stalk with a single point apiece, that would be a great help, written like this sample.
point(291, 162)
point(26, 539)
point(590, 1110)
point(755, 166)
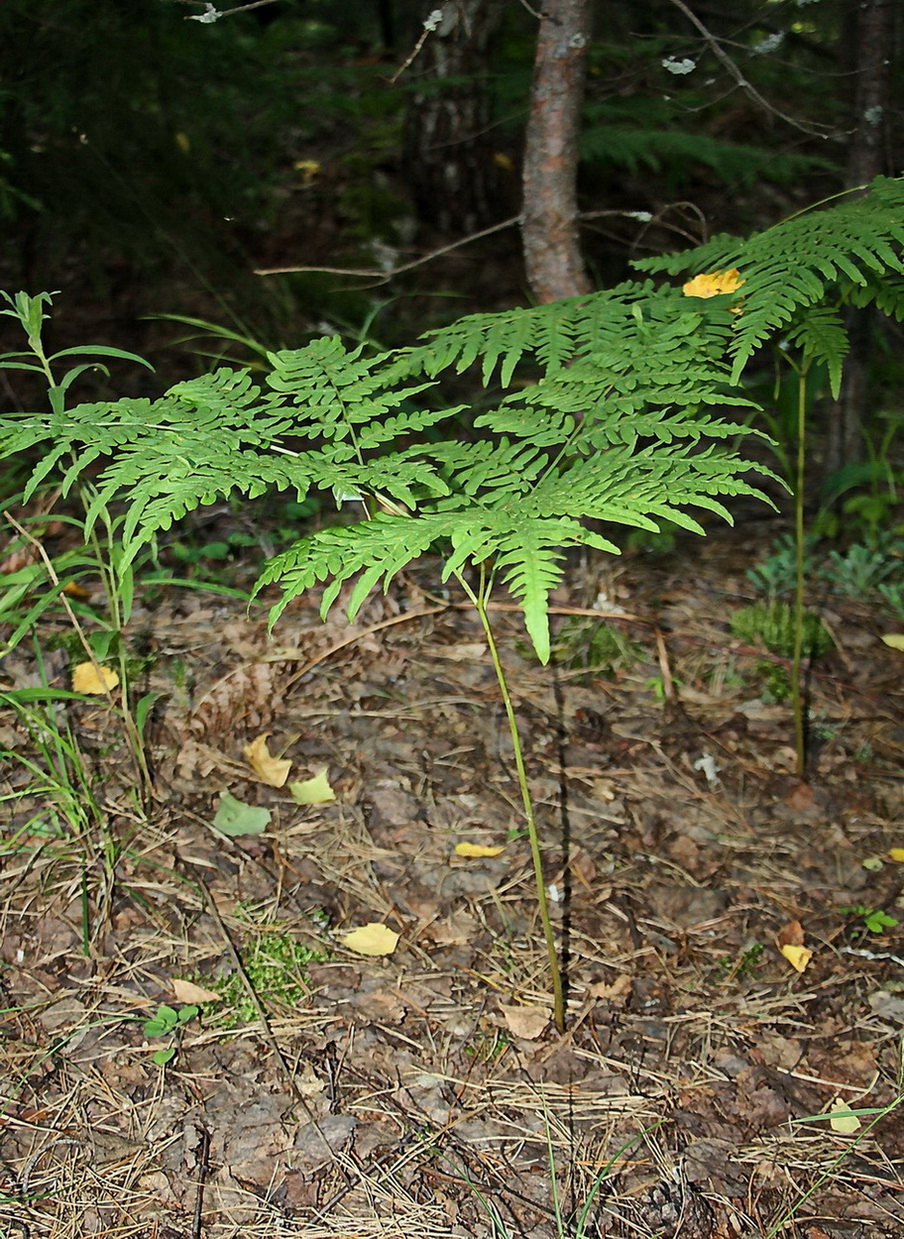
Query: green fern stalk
point(479, 599)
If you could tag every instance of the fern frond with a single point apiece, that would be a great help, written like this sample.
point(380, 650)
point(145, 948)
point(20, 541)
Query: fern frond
point(820, 334)
point(793, 266)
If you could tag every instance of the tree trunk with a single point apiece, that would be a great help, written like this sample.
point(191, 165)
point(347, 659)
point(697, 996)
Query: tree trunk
point(873, 37)
point(447, 158)
point(549, 228)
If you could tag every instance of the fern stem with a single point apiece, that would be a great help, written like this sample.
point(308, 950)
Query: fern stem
point(797, 701)
point(479, 599)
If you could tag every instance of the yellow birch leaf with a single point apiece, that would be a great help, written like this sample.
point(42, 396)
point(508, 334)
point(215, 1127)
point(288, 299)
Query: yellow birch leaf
point(475, 850)
point(713, 284)
point(841, 1119)
point(896, 854)
point(273, 770)
point(372, 939)
point(797, 956)
point(313, 791)
point(894, 639)
point(187, 991)
point(93, 680)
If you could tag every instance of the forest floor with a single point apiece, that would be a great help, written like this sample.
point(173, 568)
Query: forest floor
point(425, 1094)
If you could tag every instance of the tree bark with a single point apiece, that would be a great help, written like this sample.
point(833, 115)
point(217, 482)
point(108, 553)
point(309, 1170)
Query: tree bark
point(447, 157)
point(873, 36)
point(549, 228)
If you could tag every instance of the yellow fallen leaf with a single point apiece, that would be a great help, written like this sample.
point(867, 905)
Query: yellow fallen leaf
point(841, 1119)
point(273, 770)
point(187, 991)
point(475, 850)
point(797, 956)
point(713, 284)
point(895, 640)
point(93, 680)
point(373, 939)
point(526, 1022)
point(313, 791)
point(896, 854)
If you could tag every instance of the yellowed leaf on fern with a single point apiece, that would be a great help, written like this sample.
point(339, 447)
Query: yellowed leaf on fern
point(797, 956)
point(895, 640)
point(313, 791)
point(372, 939)
point(473, 851)
point(713, 283)
point(92, 679)
point(273, 770)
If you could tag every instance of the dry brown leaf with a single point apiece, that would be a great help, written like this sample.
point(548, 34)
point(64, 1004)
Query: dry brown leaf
point(791, 934)
point(93, 680)
point(528, 1023)
point(187, 991)
point(273, 770)
point(618, 991)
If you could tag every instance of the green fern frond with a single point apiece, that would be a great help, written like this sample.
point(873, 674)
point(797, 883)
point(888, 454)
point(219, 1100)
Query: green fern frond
point(793, 266)
point(820, 335)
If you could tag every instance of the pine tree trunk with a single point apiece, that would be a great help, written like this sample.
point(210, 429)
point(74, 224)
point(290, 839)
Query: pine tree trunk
point(873, 36)
point(447, 157)
point(549, 227)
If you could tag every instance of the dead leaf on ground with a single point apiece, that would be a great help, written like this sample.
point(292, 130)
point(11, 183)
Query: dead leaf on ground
point(374, 938)
point(93, 680)
point(187, 991)
point(273, 770)
point(528, 1023)
point(617, 991)
point(315, 790)
point(474, 851)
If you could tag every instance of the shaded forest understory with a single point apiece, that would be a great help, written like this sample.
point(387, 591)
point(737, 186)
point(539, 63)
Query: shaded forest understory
point(191, 1045)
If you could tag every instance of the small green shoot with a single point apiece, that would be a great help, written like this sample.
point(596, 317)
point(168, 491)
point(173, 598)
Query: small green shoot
point(875, 920)
point(169, 1022)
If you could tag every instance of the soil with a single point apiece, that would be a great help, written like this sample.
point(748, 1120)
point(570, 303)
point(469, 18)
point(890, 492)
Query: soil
point(426, 1093)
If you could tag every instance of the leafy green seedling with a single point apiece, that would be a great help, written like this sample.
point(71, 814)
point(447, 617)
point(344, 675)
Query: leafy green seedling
point(168, 1022)
point(875, 920)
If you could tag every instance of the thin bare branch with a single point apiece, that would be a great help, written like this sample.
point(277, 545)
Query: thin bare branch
point(384, 276)
point(819, 131)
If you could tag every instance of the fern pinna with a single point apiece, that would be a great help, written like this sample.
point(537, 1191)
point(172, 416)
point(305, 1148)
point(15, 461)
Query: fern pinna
point(621, 416)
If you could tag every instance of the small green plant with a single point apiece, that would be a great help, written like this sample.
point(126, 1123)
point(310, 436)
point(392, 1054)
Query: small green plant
point(862, 569)
point(169, 1022)
point(775, 576)
point(743, 966)
point(584, 644)
point(773, 624)
point(874, 919)
point(276, 966)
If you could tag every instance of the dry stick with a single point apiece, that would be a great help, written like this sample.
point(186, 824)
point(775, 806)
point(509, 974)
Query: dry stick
point(819, 131)
point(385, 276)
point(197, 1225)
point(236, 958)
